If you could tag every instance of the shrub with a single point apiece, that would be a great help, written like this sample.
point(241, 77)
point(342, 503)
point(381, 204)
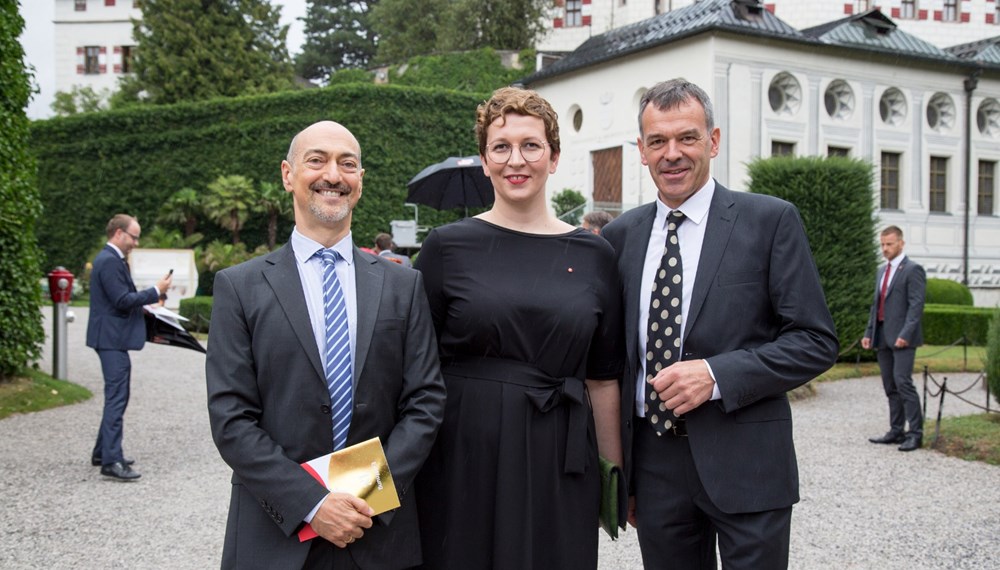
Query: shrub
point(199, 312)
point(945, 324)
point(568, 206)
point(401, 130)
point(993, 355)
point(834, 198)
point(21, 333)
point(947, 292)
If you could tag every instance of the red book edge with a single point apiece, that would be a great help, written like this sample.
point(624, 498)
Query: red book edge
point(307, 532)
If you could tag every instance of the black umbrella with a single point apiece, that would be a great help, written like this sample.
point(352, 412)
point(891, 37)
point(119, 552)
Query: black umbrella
point(455, 182)
point(160, 331)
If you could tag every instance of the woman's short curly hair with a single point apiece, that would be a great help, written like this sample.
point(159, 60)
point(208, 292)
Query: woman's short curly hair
point(521, 102)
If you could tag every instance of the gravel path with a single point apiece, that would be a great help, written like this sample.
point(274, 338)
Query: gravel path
point(863, 506)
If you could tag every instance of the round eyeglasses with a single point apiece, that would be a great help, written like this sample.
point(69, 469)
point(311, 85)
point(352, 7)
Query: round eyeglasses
point(531, 151)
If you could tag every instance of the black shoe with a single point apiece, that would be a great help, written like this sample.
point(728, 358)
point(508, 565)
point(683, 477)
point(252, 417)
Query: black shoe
point(889, 437)
point(119, 471)
point(96, 461)
point(912, 442)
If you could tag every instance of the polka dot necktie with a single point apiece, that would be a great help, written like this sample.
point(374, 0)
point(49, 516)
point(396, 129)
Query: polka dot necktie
point(663, 338)
point(338, 349)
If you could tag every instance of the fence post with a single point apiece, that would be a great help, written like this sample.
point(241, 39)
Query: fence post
point(937, 425)
point(925, 392)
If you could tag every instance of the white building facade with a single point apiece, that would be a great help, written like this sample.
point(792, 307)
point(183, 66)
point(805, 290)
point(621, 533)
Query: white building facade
point(93, 42)
point(941, 22)
point(775, 93)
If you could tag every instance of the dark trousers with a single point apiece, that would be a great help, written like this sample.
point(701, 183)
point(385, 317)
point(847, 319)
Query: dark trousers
point(896, 365)
point(678, 524)
point(117, 369)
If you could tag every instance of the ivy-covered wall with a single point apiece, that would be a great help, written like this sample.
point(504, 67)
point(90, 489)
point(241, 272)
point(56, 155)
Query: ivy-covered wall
point(93, 166)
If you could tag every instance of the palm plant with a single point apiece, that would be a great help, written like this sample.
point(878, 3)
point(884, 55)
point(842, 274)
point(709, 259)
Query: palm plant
point(230, 201)
point(275, 202)
point(182, 207)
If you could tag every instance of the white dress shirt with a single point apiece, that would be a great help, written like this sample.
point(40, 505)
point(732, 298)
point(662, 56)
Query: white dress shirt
point(691, 235)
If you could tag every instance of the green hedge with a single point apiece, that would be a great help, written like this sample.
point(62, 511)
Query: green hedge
point(94, 165)
point(198, 311)
point(993, 355)
point(947, 292)
point(21, 333)
point(834, 198)
point(944, 324)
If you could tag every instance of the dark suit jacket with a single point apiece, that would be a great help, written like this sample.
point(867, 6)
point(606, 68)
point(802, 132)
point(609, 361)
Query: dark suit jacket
point(904, 305)
point(116, 321)
point(270, 408)
point(759, 317)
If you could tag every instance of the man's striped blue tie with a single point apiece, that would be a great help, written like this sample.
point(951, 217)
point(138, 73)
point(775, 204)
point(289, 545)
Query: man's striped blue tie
point(338, 349)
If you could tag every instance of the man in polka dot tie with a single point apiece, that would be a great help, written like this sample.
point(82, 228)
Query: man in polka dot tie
point(724, 314)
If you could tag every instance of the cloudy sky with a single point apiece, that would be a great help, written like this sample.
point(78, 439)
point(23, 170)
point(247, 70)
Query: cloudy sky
point(38, 40)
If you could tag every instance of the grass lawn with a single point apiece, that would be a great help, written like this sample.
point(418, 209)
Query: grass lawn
point(38, 391)
point(973, 438)
point(937, 358)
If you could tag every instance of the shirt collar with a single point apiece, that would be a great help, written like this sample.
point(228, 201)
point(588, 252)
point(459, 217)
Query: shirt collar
point(695, 208)
point(899, 259)
point(304, 247)
point(118, 251)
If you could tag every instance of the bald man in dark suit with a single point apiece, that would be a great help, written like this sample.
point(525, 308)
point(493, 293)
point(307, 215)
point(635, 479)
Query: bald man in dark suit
point(712, 349)
point(270, 365)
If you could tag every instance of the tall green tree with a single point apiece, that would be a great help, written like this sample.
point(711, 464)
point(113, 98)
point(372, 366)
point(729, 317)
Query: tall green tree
point(230, 201)
point(407, 28)
point(191, 50)
point(338, 36)
point(21, 333)
point(418, 27)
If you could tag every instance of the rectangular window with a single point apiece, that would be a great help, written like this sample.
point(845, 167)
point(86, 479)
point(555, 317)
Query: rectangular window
point(128, 55)
point(890, 181)
point(908, 9)
point(838, 151)
point(80, 5)
point(950, 13)
point(939, 184)
point(92, 60)
point(861, 5)
point(987, 171)
point(779, 148)
point(109, 3)
point(574, 13)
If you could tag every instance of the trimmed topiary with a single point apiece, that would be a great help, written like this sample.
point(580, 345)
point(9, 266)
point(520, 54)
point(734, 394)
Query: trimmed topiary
point(947, 292)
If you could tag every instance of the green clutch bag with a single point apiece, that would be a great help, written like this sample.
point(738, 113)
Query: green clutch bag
point(614, 498)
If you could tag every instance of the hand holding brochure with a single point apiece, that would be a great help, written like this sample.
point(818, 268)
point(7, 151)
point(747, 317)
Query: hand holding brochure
point(360, 470)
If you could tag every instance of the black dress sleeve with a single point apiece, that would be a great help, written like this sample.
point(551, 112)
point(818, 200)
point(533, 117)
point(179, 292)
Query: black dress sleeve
point(430, 263)
point(605, 360)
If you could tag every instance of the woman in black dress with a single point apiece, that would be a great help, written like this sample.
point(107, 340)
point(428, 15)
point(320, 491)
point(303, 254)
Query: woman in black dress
point(528, 319)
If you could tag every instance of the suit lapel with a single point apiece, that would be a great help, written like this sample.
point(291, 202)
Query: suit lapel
point(634, 256)
point(282, 275)
point(368, 277)
point(893, 279)
point(722, 216)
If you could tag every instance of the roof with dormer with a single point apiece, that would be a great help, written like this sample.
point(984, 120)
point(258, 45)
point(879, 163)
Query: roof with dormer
point(870, 31)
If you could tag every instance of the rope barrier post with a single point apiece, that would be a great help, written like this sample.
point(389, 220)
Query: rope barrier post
point(965, 353)
point(937, 425)
point(926, 373)
point(986, 381)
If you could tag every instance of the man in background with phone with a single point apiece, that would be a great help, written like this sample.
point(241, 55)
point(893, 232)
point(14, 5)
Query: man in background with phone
point(116, 326)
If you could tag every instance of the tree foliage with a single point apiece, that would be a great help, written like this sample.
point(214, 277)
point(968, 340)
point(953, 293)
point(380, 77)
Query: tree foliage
point(190, 50)
point(275, 203)
point(80, 99)
point(21, 333)
point(337, 36)
point(418, 27)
